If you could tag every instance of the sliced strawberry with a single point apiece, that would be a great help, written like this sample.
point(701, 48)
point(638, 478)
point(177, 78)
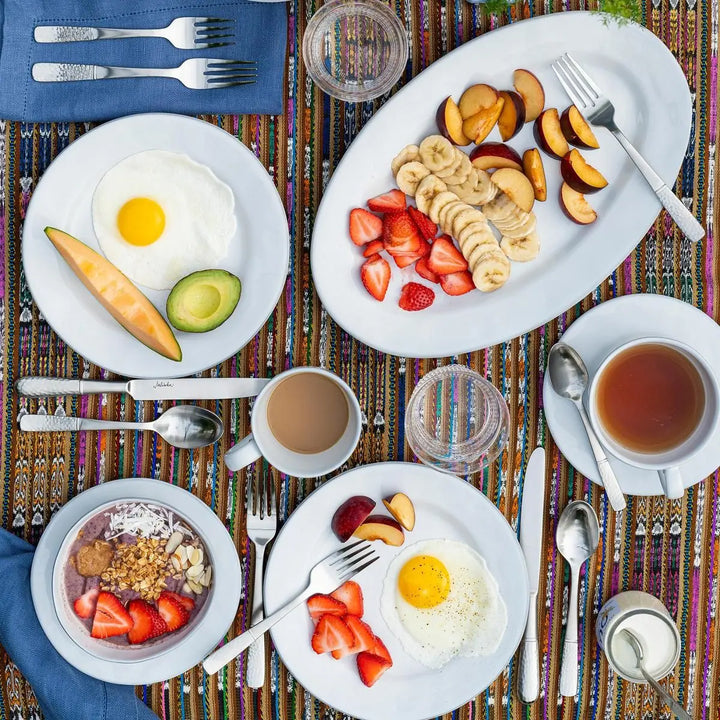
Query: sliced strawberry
point(428, 229)
point(380, 650)
point(364, 226)
point(350, 594)
point(400, 233)
point(373, 248)
point(375, 275)
point(85, 604)
point(391, 201)
point(415, 296)
point(403, 261)
point(320, 604)
point(457, 283)
point(331, 633)
point(147, 622)
point(371, 667)
point(111, 618)
point(187, 602)
point(445, 258)
point(364, 636)
point(172, 612)
point(424, 271)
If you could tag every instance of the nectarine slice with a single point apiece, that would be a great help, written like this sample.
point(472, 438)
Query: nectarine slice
point(350, 515)
point(381, 527)
point(450, 122)
point(531, 91)
point(476, 98)
point(535, 172)
point(576, 129)
point(549, 134)
point(516, 186)
point(401, 508)
point(579, 175)
point(512, 117)
point(495, 155)
point(575, 206)
point(478, 126)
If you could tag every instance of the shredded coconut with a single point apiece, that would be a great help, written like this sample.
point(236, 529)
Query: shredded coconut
point(144, 520)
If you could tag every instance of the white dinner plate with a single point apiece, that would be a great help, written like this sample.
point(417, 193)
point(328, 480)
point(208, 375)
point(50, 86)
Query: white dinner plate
point(211, 624)
point(258, 253)
point(594, 335)
point(446, 507)
point(653, 107)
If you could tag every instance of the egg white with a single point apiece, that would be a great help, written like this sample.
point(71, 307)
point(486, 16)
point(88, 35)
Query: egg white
point(199, 217)
point(470, 621)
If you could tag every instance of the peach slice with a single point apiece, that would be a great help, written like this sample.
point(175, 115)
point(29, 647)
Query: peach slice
point(535, 172)
point(512, 117)
point(401, 508)
point(531, 91)
point(476, 98)
point(478, 126)
point(350, 515)
point(516, 186)
point(495, 155)
point(450, 122)
point(579, 175)
point(576, 129)
point(381, 527)
point(549, 135)
point(575, 206)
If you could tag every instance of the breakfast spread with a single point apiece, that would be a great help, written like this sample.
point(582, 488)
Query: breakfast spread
point(136, 572)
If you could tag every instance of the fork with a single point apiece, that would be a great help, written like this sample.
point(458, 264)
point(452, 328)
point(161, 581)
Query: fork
point(196, 74)
point(598, 109)
point(186, 33)
point(325, 577)
point(261, 529)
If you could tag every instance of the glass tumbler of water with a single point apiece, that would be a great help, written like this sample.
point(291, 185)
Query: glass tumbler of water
point(456, 421)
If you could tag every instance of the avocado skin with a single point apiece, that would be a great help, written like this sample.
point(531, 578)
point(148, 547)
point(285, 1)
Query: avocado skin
point(187, 290)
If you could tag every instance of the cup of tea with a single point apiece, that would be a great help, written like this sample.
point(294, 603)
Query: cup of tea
point(305, 422)
point(654, 404)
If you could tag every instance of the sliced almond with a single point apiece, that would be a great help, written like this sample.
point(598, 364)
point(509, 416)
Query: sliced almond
point(195, 587)
point(186, 588)
point(195, 556)
point(194, 572)
point(173, 542)
point(207, 577)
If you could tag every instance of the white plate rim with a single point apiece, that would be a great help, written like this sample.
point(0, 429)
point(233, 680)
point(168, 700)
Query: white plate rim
point(202, 638)
point(275, 214)
point(365, 486)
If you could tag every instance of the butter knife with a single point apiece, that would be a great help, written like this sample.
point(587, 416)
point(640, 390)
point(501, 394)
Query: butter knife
point(165, 389)
point(531, 541)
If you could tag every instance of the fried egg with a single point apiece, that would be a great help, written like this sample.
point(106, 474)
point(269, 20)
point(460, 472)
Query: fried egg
point(440, 600)
point(159, 216)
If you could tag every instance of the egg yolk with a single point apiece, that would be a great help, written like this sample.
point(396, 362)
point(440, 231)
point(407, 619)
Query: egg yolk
point(424, 581)
point(141, 221)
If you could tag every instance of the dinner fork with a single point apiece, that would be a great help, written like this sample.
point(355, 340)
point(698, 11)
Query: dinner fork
point(325, 577)
point(261, 529)
point(196, 74)
point(599, 110)
point(186, 33)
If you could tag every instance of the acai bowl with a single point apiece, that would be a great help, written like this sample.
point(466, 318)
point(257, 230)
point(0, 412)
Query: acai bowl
point(135, 581)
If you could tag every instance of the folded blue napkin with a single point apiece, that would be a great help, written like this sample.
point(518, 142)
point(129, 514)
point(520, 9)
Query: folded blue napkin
point(260, 35)
point(63, 692)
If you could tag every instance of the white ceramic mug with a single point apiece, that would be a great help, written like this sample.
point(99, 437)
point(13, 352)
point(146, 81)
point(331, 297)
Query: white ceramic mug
point(666, 463)
point(262, 443)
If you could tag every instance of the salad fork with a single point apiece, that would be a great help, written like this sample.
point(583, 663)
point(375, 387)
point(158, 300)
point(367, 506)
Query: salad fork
point(261, 529)
point(325, 577)
point(600, 111)
point(196, 73)
point(185, 33)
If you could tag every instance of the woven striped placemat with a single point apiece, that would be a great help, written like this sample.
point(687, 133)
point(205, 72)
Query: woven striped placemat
point(667, 548)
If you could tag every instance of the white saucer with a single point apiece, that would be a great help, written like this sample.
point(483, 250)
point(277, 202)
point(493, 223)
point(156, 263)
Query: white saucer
point(594, 335)
point(209, 627)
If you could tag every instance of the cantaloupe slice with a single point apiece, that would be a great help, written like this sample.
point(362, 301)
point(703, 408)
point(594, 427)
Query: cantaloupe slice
point(117, 294)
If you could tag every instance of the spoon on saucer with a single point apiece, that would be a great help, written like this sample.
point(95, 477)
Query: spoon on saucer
point(577, 537)
point(184, 426)
point(634, 641)
point(569, 379)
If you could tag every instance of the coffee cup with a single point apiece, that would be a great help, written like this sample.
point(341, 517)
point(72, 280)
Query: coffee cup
point(305, 422)
point(671, 394)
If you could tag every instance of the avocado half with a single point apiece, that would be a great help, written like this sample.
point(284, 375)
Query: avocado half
point(203, 300)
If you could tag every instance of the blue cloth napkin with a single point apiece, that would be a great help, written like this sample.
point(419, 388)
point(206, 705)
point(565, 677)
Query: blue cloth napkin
point(260, 35)
point(63, 692)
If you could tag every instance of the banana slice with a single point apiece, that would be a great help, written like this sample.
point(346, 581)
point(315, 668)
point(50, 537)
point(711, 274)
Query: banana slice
point(442, 215)
point(480, 227)
point(521, 249)
point(462, 172)
point(513, 222)
point(468, 185)
point(439, 202)
point(426, 190)
point(437, 153)
point(464, 218)
point(501, 208)
point(409, 176)
point(449, 171)
point(451, 214)
point(523, 229)
point(408, 154)
point(485, 187)
point(491, 270)
point(478, 251)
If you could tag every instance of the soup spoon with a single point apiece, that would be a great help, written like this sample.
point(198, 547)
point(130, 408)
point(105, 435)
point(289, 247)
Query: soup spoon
point(184, 426)
point(569, 379)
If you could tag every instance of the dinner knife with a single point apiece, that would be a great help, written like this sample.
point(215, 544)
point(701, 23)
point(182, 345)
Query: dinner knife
point(531, 541)
point(165, 389)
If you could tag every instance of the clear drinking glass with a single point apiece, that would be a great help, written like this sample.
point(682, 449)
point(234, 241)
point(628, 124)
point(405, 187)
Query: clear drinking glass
point(355, 50)
point(456, 421)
